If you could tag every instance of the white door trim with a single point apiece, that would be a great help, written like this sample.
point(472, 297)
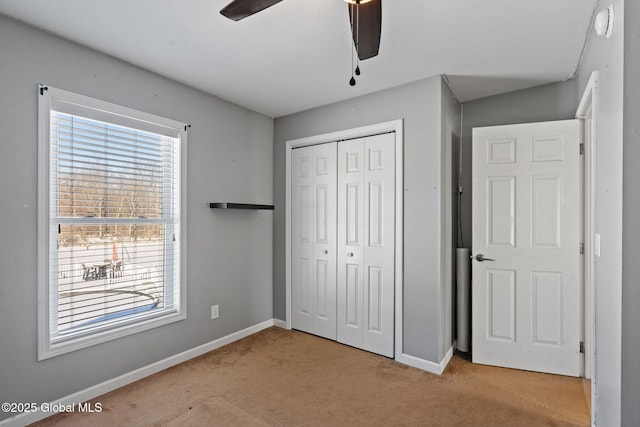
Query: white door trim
point(587, 109)
point(391, 126)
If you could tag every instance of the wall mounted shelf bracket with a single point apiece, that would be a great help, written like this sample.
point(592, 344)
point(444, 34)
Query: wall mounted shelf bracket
point(227, 205)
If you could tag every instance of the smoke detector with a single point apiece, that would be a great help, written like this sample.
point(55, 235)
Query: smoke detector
point(604, 22)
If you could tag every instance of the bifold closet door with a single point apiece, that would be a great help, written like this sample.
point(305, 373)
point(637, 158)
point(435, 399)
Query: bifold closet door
point(366, 243)
point(313, 202)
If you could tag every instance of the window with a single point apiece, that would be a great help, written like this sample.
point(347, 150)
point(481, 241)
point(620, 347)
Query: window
point(110, 234)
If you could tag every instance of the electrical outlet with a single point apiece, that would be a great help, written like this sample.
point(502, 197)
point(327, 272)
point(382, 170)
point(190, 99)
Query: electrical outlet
point(214, 311)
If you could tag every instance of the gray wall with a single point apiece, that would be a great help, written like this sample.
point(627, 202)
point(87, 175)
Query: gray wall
point(556, 101)
point(631, 219)
point(229, 159)
point(607, 55)
point(419, 104)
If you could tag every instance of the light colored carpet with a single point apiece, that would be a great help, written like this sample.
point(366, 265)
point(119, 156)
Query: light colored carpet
point(287, 378)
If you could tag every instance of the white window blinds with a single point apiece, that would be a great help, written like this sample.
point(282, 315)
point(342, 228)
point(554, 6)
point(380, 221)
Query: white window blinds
point(114, 221)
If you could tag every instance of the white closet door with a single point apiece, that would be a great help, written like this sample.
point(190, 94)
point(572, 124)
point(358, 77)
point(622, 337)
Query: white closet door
point(314, 239)
point(351, 242)
point(366, 241)
point(379, 244)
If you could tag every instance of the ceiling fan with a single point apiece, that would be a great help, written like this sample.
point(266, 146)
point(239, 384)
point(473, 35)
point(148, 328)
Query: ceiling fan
point(365, 17)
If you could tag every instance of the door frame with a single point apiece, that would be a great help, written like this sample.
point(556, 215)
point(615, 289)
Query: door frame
point(587, 109)
point(359, 132)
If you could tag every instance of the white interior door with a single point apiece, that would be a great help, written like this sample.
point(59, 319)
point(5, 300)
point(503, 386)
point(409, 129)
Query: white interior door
point(366, 241)
point(313, 199)
point(526, 296)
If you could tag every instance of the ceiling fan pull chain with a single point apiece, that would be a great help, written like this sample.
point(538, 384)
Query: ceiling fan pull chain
point(357, 23)
point(357, 37)
point(352, 81)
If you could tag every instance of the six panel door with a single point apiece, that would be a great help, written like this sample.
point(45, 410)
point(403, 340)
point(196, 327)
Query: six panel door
point(526, 295)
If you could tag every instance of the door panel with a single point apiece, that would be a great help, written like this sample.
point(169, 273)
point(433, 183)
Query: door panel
point(526, 218)
point(547, 308)
point(350, 230)
point(379, 244)
point(376, 298)
point(322, 205)
point(501, 211)
point(314, 240)
point(324, 287)
point(302, 228)
point(352, 304)
point(546, 211)
point(354, 220)
point(366, 191)
point(501, 304)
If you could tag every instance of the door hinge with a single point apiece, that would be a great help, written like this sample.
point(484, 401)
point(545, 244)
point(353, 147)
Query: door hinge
point(582, 347)
point(582, 148)
point(582, 248)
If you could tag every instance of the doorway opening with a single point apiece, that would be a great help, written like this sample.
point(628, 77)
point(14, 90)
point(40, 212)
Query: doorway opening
point(587, 114)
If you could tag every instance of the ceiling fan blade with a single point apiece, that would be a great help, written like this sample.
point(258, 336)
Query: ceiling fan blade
point(366, 28)
point(240, 9)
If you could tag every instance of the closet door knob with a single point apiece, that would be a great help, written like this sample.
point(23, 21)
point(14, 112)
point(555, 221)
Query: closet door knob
point(350, 254)
point(325, 252)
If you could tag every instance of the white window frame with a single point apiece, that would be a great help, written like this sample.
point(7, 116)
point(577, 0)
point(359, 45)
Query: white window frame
point(49, 97)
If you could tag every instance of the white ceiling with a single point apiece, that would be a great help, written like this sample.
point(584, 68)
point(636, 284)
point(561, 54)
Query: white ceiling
point(296, 55)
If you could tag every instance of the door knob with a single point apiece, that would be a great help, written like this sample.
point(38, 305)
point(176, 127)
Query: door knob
point(350, 254)
point(481, 258)
point(325, 252)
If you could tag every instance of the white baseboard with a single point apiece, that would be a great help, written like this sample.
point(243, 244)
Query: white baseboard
point(427, 365)
point(280, 323)
point(447, 357)
point(130, 377)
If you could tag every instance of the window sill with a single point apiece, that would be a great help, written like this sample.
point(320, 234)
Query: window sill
point(69, 344)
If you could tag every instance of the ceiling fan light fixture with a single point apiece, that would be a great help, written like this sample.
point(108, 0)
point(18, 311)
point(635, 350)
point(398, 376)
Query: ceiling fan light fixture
point(357, 2)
